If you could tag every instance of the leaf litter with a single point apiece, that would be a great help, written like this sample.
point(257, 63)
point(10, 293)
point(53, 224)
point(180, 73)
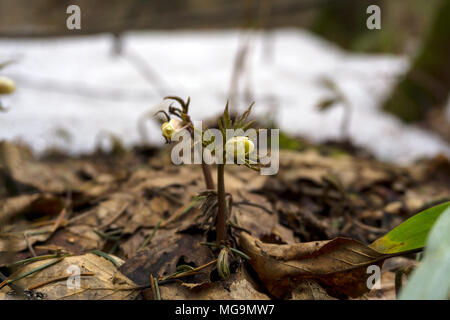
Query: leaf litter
point(306, 230)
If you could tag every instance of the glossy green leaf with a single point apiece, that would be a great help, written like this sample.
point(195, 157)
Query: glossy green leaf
point(411, 234)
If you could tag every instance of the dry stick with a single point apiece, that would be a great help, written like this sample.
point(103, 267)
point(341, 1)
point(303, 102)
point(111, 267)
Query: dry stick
point(190, 272)
point(58, 220)
point(30, 247)
point(152, 284)
point(41, 284)
point(114, 218)
point(221, 226)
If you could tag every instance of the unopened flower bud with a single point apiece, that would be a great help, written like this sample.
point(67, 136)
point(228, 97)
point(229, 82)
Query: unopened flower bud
point(170, 128)
point(7, 86)
point(239, 146)
point(223, 266)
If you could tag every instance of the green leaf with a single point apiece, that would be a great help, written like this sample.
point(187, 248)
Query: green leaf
point(412, 233)
point(431, 279)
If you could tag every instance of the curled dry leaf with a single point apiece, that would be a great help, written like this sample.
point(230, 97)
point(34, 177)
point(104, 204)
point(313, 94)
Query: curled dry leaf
point(338, 265)
point(99, 280)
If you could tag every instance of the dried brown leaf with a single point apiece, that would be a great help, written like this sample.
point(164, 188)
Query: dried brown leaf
point(339, 265)
point(106, 283)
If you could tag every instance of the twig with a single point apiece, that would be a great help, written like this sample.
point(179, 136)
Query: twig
point(58, 220)
point(177, 275)
point(152, 285)
point(30, 247)
point(115, 217)
point(41, 284)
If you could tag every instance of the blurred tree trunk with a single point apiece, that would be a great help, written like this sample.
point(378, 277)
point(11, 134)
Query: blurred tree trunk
point(427, 84)
point(343, 21)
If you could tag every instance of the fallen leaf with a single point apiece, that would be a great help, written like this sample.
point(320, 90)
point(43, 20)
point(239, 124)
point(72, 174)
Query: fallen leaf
point(164, 254)
point(238, 287)
point(338, 265)
point(105, 283)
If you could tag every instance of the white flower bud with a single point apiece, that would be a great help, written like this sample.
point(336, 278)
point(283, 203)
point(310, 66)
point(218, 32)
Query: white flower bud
point(170, 128)
point(239, 146)
point(7, 86)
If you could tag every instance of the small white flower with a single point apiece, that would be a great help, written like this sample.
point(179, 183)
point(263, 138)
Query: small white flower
point(239, 146)
point(171, 127)
point(7, 86)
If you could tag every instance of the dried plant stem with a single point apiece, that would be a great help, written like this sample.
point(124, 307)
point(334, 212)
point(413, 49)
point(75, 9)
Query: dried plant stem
point(221, 220)
point(65, 277)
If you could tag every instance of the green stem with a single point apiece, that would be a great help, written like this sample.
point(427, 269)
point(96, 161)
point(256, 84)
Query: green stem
point(207, 175)
point(221, 221)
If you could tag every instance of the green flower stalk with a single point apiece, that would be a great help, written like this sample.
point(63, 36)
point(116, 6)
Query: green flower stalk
point(173, 125)
point(237, 147)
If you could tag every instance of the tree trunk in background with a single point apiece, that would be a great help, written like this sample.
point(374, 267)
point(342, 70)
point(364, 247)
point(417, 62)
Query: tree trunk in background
point(427, 83)
point(342, 21)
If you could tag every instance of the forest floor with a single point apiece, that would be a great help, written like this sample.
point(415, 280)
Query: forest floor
point(122, 218)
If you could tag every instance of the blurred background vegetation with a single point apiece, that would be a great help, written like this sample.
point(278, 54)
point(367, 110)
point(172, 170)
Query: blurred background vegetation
point(404, 22)
point(419, 29)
